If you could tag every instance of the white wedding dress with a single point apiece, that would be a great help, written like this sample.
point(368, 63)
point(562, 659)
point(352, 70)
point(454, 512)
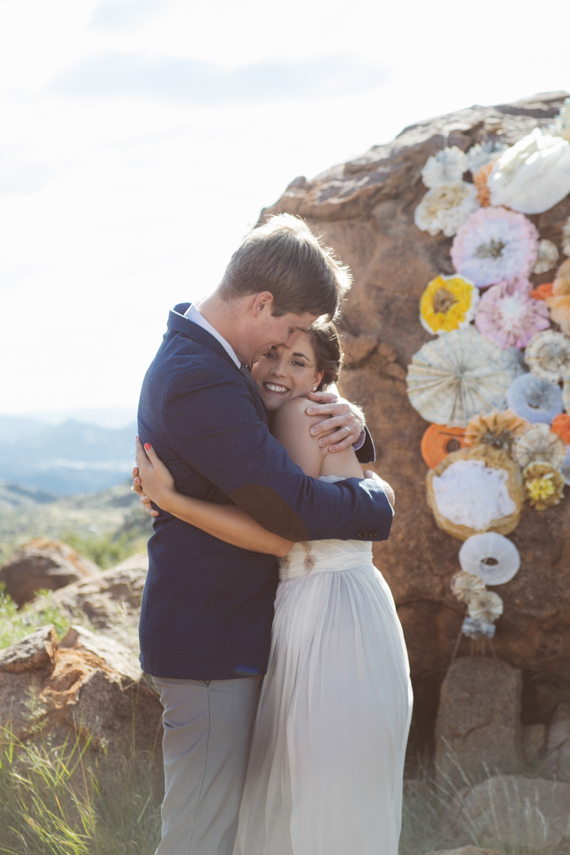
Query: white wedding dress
point(327, 759)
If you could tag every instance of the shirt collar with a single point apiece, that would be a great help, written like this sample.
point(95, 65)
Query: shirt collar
point(193, 314)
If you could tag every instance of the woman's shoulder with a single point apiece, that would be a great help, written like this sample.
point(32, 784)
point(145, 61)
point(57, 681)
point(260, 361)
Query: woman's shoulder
point(294, 410)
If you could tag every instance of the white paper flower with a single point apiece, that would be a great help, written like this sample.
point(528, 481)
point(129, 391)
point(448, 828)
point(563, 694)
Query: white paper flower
point(446, 207)
point(483, 153)
point(465, 585)
point(533, 175)
point(478, 629)
point(494, 245)
point(547, 256)
point(445, 167)
point(486, 606)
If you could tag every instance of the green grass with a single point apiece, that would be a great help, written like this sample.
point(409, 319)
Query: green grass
point(65, 801)
point(105, 550)
point(16, 623)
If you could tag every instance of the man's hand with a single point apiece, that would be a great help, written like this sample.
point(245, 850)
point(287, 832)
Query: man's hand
point(384, 484)
point(344, 426)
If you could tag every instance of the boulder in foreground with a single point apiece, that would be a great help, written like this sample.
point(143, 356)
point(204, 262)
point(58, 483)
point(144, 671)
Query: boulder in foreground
point(43, 564)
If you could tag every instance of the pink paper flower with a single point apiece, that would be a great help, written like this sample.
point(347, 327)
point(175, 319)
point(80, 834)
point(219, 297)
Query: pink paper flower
point(509, 316)
point(495, 245)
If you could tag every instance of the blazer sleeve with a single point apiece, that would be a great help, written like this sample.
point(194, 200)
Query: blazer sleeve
point(212, 424)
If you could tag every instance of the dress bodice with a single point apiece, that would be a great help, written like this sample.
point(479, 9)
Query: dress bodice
point(318, 556)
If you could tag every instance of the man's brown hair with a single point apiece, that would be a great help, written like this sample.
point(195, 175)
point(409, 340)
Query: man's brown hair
point(284, 257)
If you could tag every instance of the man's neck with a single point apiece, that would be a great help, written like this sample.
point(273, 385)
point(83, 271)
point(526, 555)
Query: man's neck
point(222, 315)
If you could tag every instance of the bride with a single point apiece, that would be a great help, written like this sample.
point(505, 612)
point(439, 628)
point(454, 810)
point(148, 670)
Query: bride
point(326, 766)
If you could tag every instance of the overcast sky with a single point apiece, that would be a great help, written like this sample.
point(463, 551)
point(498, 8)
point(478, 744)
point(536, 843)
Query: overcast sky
point(140, 139)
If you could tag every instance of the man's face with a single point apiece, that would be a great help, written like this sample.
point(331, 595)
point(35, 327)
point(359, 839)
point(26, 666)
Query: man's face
point(271, 331)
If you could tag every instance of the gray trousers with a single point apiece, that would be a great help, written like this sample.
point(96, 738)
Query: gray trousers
point(207, 735)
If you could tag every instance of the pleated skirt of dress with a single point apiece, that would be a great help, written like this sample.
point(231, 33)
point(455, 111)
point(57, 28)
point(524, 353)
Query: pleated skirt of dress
point(326, 767)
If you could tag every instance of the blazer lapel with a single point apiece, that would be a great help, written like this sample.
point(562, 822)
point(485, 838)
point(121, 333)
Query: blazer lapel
point(180, 324)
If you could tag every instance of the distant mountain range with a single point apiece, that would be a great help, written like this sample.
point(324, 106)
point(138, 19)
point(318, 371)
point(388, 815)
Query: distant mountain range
point(64, 459)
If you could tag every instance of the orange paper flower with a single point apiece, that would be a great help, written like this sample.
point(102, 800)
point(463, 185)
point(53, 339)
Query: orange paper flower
point(480, 182)
point(561, 426)
point(541, 292)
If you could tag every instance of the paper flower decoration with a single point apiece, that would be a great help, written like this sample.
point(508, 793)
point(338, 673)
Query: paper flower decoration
point(470, 494)
point(480, 182)
point(459, 375)
point(534, 399)
point(539, 443)
point(486, 606)
point(445, 167)
point(548, 356)
point(509, 316)
point(440, 440)
point(561, 427)
point(541, 292)
point(482, 154)
point(566, 237)
point(491, 557)
point(478, 629)
point(543, 484)
point(533, 175)
point(446, 208)
point(547, 256)
point(559, 302)
point(465, 585)
point(495, 429)
point(448, 303)
point(495, 245)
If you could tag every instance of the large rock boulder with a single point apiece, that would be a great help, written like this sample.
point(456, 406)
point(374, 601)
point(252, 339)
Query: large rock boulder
point(43, 564)
point(86, 686)
point(109, 602)
point(512, 813)
point(478, 722)
point(364, 209)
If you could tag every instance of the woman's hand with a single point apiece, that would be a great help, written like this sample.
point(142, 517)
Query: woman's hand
point(151, 479)
point(344, 426)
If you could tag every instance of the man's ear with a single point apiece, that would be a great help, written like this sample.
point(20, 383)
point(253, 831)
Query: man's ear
point(263, 303)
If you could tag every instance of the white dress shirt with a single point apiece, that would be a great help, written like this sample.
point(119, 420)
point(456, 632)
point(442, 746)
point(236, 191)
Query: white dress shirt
point(193, 314)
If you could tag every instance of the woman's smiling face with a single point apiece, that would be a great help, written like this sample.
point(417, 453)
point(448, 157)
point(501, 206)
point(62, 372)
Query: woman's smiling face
point(283, 373)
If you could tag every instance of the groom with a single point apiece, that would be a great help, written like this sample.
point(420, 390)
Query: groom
point(208, 606)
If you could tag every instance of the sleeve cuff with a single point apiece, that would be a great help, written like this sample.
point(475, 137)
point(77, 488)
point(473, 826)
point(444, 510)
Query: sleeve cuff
point(360, 441)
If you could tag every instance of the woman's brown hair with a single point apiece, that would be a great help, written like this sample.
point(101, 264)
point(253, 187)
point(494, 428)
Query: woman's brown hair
point(328, 352)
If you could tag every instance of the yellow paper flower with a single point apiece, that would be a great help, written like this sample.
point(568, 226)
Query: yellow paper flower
point(447, 304)
point(544, 485)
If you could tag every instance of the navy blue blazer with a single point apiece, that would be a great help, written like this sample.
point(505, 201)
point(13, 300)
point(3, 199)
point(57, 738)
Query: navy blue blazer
point(207, 606)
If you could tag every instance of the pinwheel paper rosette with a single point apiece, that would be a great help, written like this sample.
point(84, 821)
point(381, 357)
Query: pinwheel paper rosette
point(448, 304)
point(532, 175)
point(458, 376)
point(543, 484)
point(495, 245)
point(496, 430)
point(482, 491)
point(539, 443)
point(548, 356)
point(509, 316)
point(446, 207)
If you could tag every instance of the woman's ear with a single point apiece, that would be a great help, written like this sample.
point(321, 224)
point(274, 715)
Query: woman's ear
point(317, 381)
